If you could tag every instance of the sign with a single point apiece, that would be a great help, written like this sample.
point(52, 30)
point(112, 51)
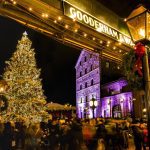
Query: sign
point(92, 22)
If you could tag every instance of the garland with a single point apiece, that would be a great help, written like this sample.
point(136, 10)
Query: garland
point(135, 81)
point(3, 103)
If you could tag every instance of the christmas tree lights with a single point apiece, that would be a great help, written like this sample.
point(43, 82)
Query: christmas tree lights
point(25, 94)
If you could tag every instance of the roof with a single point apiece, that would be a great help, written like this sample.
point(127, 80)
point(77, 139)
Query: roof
point(113, 82)
point(139, 10)
point(57, 106)
point(102, 13)
point(82, 54)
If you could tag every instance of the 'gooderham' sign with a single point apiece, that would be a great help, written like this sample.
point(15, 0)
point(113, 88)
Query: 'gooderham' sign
point(92, 22)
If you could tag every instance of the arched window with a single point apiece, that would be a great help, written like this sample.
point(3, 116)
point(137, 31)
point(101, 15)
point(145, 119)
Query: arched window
point(80, 73)
point(85, 84)
point(85, 58)
point(80, 63)
point(81, 87)
point(85, 70)
point(92, 82)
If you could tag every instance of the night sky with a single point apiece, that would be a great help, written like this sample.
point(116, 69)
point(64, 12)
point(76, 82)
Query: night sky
point(56, 60)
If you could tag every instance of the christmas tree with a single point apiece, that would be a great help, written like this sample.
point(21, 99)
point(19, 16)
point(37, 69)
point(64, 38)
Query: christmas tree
point(25, 95)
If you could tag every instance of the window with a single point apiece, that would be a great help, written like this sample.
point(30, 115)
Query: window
point(80, 73)
point(91, 67)
point(85, 84)
point(81, 100)
point(81, 87)
point(85, 70)
point(86, 98)
point(85, 58)
point(107, 64)
point(92, 82)
point(80, 63)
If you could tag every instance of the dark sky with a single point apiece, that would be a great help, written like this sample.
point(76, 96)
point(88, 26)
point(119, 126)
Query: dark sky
point(56, 60)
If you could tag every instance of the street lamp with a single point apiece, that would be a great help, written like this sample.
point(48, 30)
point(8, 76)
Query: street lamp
point(138, 23)
point(93, 105)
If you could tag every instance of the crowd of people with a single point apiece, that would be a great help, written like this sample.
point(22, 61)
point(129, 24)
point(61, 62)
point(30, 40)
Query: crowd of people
point(74, 134)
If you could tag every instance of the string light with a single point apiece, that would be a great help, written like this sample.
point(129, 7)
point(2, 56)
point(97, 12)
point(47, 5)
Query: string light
point(74, 19)
point(114, 47)
point(85, 35)
point(55, 21)
point(14, 2)
point(93, 38)
point(66, 26)
point(59, 18)
point(101, 41)
point(30, 9)
point(44, 15)
point(108, 42)
point(119, 43)
point(118, 67)
point(76, 30)
point(125, 19)
point(120, 51)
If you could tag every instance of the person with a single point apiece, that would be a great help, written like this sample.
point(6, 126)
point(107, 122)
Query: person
point(19, 135)
point(64, 136)
point(7, 137)
point(75, 136)
point(54, 134)
point(137, 133)
point(100, 135)
point(1, 132)
point(145, 136)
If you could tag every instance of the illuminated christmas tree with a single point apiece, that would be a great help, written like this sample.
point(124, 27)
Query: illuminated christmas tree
point(25, 95)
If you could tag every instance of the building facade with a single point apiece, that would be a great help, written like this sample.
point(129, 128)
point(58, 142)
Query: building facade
point(110, 98)
point(115, 102)
point(87, 84)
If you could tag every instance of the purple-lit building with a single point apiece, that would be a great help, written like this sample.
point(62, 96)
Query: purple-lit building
point(116, 103)
point(112, 102)
point(87, 84)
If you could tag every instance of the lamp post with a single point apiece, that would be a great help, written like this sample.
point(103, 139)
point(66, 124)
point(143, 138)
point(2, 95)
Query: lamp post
point(109, 103)
point(138, 23)
point(93, 105)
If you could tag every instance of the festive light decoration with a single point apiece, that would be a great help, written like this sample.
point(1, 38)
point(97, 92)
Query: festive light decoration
point(135, 81)
point(139, 49)
point(25, 95)
point(139, 52)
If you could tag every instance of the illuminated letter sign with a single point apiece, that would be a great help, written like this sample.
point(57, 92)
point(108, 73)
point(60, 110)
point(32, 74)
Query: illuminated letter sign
point(92, 22)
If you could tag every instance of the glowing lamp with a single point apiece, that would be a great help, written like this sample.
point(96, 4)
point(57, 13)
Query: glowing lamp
point(139, 24)
point(93, 105)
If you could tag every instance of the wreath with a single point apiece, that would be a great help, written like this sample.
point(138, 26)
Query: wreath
point(3, 103)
